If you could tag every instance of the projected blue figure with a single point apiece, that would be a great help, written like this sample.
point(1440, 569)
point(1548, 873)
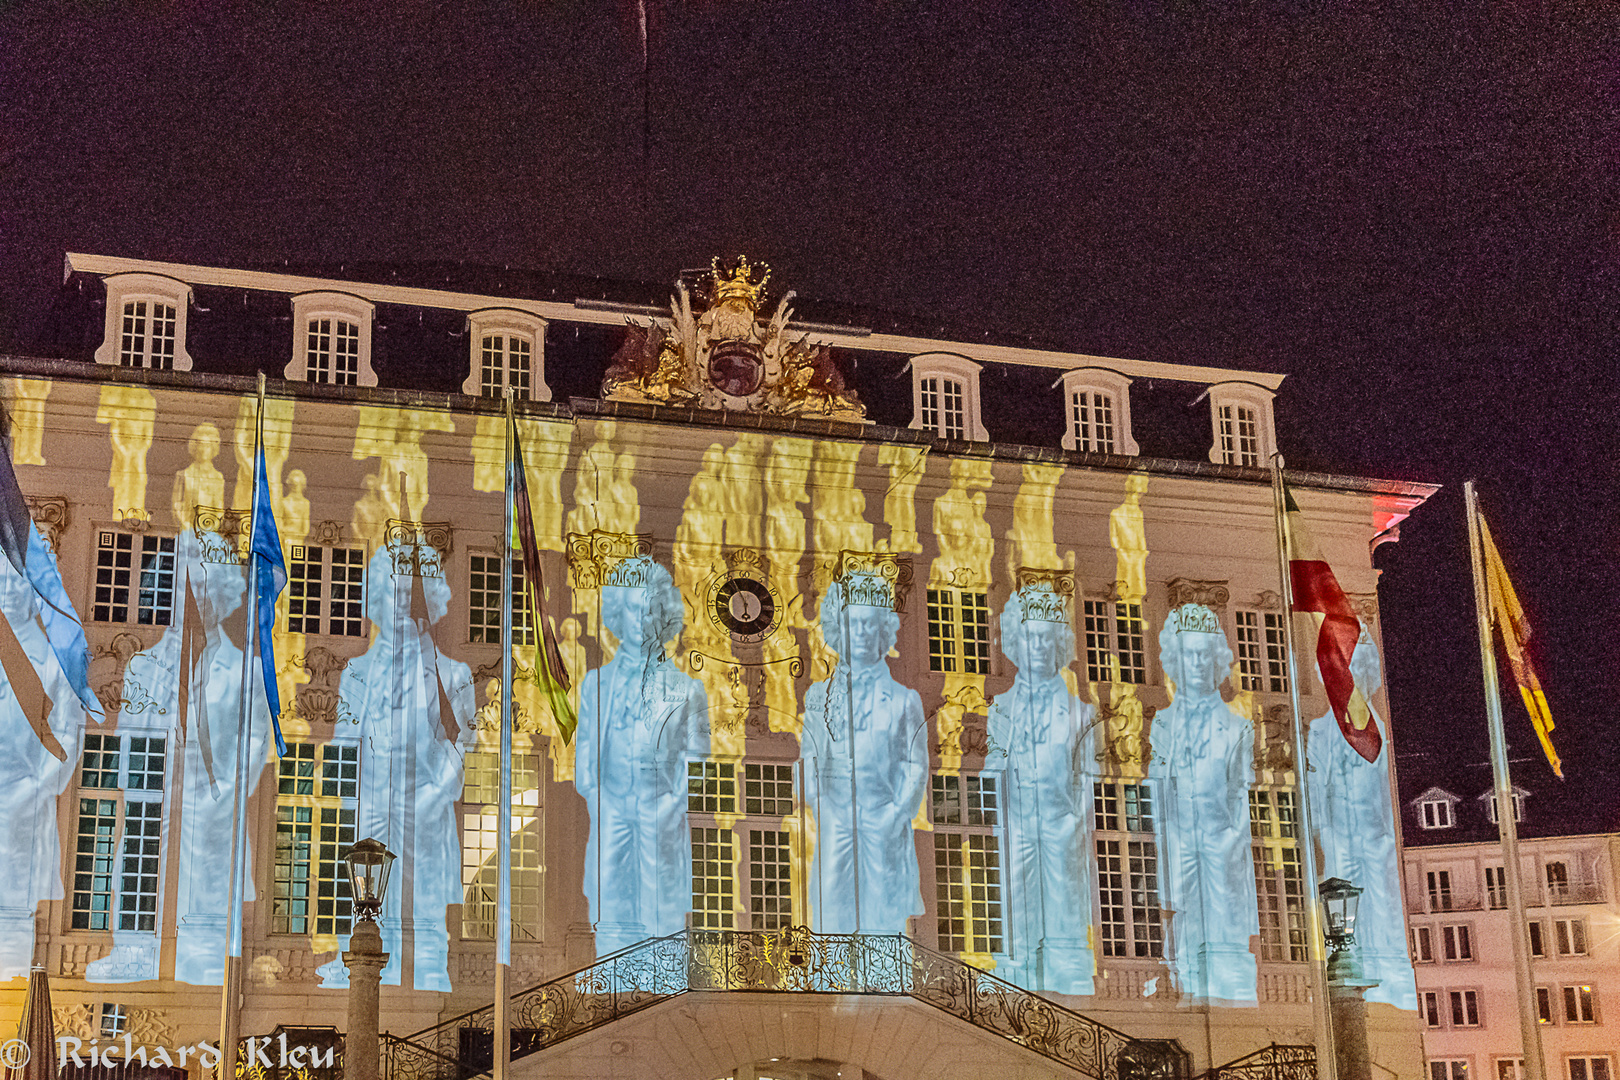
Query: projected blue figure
point(640, 720)
point(860, 720)
point(1352, 815)
point(410, 767)
point(1037, 732)
point(31, 777)
point(1203, 764)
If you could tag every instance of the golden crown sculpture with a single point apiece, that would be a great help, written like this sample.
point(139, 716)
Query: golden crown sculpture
point(737, 284)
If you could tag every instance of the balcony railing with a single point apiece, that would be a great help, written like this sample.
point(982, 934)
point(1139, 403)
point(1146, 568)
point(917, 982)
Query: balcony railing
point(790, 961)
point(1574, 892)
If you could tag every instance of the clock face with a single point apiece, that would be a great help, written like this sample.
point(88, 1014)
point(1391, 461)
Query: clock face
point(745, 606)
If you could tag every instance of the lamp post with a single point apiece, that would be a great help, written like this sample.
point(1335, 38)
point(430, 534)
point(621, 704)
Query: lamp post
point(369, 863)
point(1346, 985)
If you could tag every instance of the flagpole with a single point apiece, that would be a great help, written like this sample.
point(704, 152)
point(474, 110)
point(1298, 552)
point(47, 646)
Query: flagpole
point(503, 831)
point(229, 1014)
point(1322, 1014)
point(1535, 1065)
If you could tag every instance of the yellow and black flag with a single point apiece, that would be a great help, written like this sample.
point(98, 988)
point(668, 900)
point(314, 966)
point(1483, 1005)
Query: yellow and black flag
point(1507, 615)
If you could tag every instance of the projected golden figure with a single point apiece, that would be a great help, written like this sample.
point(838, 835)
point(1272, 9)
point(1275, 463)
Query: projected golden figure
point(129, 413)
point(278, 425)
point(866, 761)
point(27, 408)
point(907, 465)
point(199, 483)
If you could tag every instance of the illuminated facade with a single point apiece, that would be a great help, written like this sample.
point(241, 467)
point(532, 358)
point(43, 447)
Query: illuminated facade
point(870, 632)
point(1456, 899)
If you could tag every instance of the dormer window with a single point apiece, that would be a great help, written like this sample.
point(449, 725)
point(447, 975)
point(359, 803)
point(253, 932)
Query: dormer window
point(1489, 799)
point(945, 396)
point(508, 350)
point(146, 323)
point(331, 340)
point(1098, 408)
point(1436, 809)
point(1241, 416)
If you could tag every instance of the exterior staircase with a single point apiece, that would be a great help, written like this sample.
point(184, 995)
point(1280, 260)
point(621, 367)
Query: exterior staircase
point(789, 961)
point(1274, 1062)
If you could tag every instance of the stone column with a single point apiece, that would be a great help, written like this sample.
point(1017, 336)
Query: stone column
point(1348, 1004)
point(365, 959)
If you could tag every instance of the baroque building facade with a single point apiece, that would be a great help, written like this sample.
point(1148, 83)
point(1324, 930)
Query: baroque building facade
point(875, 636)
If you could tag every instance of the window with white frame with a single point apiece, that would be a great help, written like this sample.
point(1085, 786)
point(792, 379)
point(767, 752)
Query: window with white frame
point(1262, 652)
point(114, 1019)
point(1457, 942)
point(134, 578)
point(1591, 1067)
point(1464, 1008)
point(1580, 1005)
point(1509, 1068)
point(1242, 421)
point(958, 631)
point(729, 848)
point(1098, 409)
point(1116, 641)
point(1429, 1006)
point(1544, 1005)
point(1489, 799)
point(1557, 880)
point(1448, 1069)
point(1570, 936)
point(1538, 937)
point(331, 340)
point(1436, 813)
point(317, 795)
point(1422, 944)
point(508, 350)
point(1496, 886)
point(945, 396)
point(1130, 919)
point(146, 323)
point(484, 602)
point(117, 865)
point(480, 838)
point(967, 863)
point(1278, 875)
point(1440, 890)
point(326, 590)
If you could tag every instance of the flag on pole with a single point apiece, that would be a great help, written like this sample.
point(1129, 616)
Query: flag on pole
point(549, 671)
point(1508, 616)
point(192, 674)
point(27, 551)
point(1316, 590)
point(269, 578)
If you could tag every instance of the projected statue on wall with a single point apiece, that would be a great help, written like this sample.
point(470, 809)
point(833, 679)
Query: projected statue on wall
point(861, 721)
point(640, 720)
point(32, 775)
point(1037, 732)
point(1203, 764)
point(410, 767)
point(1353, 816)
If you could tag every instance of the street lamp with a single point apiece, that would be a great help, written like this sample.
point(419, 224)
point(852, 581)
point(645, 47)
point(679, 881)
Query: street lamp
point(1346, 987)
point(369, 863)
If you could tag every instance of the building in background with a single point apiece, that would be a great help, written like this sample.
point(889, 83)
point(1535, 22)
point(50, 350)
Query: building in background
point(873, 630)
point(1458, 932)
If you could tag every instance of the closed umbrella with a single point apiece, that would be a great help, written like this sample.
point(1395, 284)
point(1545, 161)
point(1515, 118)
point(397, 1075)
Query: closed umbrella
point(32, 1054)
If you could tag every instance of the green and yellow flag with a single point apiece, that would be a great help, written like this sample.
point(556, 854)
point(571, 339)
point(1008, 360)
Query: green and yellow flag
point(1507, 614)
point(549, 671)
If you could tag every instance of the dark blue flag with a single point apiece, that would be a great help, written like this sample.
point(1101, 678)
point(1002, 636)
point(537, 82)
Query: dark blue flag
point(269, 578)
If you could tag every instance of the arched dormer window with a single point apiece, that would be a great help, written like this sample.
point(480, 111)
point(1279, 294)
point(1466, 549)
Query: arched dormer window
point(508, 348)
point(146, 323)
point(1241, 419)
point(1097, 406)
point(331, 340)
point(945, 396)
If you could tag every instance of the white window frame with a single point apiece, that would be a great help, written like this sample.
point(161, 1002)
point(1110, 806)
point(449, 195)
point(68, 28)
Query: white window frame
point(737, 810)
point(1583, 996)
point(318, 598)
point(1421, 944)
point(154, 289)
point(336, 306)
point(1459, 998)
point(1130, 870)
point(965, 811)
point(1537, 938)
point(1546, 1008)
point(1447, 1068)
point(324, 798)
point(1586, 1062)
point(958, 369)
point(1248, 396)
point(1117, 388)
point(1107, 628)
point(1443, 816)
point(120, 856)
point(1489, 801)
point(1570, 937)
point(1457, 942)
point(479, 812)
point(507, 323)
point(959, 630)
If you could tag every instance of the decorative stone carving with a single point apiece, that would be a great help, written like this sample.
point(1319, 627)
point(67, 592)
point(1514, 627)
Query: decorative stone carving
point(223, 535)
point(593, 556)
point(1211, 594)
point(1268, 600)
point(418, 547)
point(150, 1027)
point(318, 700)
point(73, 1021)
point(327, 534)
point(50, 513)
point(875, 578)
point(726, 357)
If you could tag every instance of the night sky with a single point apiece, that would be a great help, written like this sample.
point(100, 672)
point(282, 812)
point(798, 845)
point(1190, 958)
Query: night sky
point(1409, 209)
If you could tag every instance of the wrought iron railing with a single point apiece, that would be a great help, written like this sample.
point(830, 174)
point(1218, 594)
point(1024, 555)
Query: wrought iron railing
point(790, 961)
point(1274, 1062)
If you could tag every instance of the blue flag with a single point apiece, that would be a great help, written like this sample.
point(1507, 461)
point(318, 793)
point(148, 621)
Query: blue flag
point(269, 578)
point(28, 552)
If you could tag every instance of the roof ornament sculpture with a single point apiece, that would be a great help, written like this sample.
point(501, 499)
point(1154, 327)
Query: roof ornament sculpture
point(726, 357)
